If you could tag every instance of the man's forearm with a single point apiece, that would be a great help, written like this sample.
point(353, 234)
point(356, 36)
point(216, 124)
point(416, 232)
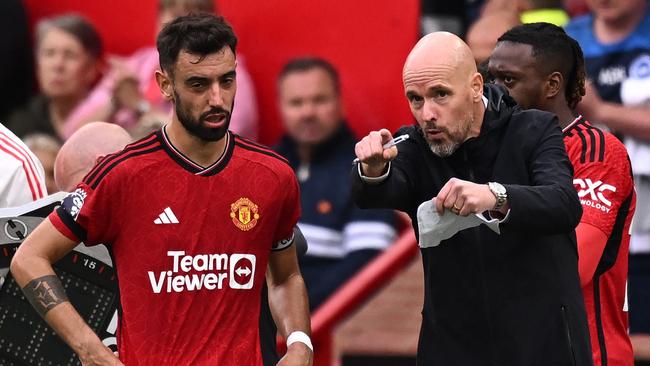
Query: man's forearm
point(631, 121)
point(288, 301)
point(45, 292)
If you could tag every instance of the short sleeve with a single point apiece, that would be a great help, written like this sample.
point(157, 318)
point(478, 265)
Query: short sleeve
point(289, 215)
point(603, 186)
point(86, 214)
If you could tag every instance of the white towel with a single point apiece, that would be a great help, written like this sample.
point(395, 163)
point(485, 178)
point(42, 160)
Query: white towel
point(434, 228)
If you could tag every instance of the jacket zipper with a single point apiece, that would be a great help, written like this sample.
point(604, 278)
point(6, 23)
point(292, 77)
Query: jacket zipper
point(568, 334)
point(486, 302)
point(470, 171)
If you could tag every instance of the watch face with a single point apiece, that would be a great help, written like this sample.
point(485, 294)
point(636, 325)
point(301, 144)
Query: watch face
point(498, 188)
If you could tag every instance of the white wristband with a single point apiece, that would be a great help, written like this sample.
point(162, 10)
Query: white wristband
point(298, 336)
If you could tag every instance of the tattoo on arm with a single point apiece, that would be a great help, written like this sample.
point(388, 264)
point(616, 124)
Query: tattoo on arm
point(44, 293)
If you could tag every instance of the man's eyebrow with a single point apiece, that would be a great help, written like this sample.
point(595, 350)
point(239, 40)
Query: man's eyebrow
point(439, 87)
point(411, 94)
point(229, 74)
point(192, 79)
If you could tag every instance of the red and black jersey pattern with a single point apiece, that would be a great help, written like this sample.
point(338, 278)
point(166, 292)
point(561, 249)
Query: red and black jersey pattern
point(592, 140)
point(190, 245)
point(605, 186)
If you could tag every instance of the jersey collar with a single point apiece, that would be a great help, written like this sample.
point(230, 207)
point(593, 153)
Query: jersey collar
point(572, 124)
point(187, 163)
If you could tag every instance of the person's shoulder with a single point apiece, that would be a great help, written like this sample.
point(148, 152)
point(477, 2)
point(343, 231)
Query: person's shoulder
point(261, 154)
point(13, 152)
point(594, 145)
point(533, 118)
point(123, 163)
point(28, 117)
point(7, 134)
point(644, 27)
point(579, 26)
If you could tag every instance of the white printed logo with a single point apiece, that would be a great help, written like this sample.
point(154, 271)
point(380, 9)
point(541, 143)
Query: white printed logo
point(612, 75)
point(74, 201)
point(640, 67)
point(204, 271)
point(595, 190)
point(166, 217)
point(242, 270)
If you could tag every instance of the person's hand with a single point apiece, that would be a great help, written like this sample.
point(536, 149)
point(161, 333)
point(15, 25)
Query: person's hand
point(298, 354)
point(371, 153)
point(119, 70)
point(123, 83)
point(463, 198)
point(127, 94)
point(101, 356)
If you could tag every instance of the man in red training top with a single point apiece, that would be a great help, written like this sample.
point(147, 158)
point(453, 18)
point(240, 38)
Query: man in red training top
point(543, 68)
point(193, 216)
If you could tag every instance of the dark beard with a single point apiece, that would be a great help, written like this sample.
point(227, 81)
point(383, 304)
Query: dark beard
point(198, 128)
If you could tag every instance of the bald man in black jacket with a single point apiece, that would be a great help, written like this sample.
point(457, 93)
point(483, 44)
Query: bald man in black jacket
point(490, 299)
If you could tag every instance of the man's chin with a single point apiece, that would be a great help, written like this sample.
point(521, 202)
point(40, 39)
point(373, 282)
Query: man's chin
point(210, 134)
point(443, 150)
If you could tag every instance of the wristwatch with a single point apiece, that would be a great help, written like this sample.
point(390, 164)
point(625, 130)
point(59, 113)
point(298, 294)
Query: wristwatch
point(499, 191)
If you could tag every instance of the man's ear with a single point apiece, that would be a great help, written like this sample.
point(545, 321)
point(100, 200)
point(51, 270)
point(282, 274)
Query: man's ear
point(476, 83)
point(554, 85)
point(165, 85)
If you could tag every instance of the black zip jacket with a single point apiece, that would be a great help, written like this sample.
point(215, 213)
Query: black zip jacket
point(500, 300)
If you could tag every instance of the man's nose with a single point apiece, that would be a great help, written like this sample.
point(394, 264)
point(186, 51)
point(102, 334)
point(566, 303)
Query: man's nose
point(307, 110)
point(430, 111)
point(216, 96)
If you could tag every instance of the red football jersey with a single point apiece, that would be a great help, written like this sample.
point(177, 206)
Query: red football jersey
point(190, 245)
point(603, 179)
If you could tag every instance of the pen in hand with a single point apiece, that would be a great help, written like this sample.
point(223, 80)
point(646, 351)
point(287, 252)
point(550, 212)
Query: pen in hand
point(389, 144)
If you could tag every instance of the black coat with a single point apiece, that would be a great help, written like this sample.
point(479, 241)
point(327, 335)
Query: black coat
point(500, 300)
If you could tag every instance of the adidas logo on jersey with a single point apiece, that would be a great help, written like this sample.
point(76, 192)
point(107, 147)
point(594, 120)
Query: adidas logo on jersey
point(166, 217)
point(204, 271)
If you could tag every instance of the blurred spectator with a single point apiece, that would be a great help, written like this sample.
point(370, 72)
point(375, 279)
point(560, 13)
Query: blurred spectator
point(16, 70)
point(438, 15)
point(512, 6)
point(482, 35)
point(498, 16)
point(320, 147)
point(82, 150)
point(45, 147)
point(129, 95)
point(549, 11)
point(21, 178)
point(615, 39)
point(68, 50)
point(576, 7)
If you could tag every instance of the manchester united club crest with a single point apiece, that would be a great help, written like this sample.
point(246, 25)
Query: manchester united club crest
point(244, 214)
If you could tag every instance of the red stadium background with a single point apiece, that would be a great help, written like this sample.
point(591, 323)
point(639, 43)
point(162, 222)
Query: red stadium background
point(366, 40)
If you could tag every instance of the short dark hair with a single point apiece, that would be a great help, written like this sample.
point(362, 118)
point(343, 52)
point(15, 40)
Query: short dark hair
point(75, 25)
point(200, 34)
point(553, 50)
point(303, 64)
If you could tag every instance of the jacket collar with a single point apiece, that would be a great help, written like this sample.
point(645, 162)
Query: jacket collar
point(287, 147)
